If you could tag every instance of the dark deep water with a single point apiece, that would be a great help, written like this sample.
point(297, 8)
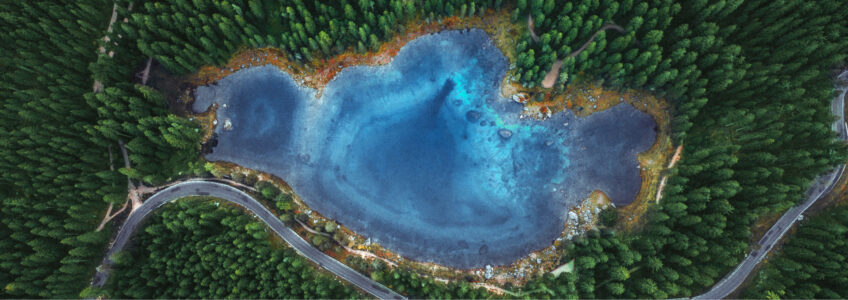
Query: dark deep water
point(410, 154)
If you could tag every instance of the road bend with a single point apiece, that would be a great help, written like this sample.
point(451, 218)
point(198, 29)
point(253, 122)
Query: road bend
point(236, 196)
point(821, 187)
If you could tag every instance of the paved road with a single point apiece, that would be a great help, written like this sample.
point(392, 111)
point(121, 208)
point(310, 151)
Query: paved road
point(226, 192)
point(822, 186)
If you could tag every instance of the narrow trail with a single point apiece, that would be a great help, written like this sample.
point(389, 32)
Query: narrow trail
point(146, 73)
point(109, 215)
point(592, 38)
point(671, 164)
point(553, 74)
point(135, 196)
point(532, 28)
point(313, 231)
point(97, 87)
point(366, 254)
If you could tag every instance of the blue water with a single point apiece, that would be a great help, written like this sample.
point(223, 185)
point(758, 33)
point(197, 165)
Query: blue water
point(424, 156)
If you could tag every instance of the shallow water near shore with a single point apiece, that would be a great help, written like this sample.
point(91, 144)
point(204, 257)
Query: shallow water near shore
point(424, 156)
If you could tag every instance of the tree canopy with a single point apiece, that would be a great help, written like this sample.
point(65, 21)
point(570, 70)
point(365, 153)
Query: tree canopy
point(749, 82)
point(813, 264)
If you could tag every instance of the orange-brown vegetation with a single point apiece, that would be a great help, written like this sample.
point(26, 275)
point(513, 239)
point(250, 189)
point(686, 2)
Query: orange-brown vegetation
point(584, 98)
point(318, 72)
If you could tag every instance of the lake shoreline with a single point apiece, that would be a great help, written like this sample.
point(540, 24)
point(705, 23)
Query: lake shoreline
point(306, 80)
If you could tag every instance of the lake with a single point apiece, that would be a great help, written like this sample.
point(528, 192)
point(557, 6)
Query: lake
point(423, 155)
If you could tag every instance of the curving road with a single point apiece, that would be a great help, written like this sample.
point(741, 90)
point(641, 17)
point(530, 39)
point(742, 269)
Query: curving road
point(822, 186)
point(229, 193)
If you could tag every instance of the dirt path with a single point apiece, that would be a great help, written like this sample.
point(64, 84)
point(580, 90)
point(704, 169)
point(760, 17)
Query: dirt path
point(109, 215)
point(553, 74)
point(313, 231)
point(146, 73)
point(98, 87)
point(592, 38)
point(532, 28)
point(134, 194)
point(671, 164)
point(366, 254)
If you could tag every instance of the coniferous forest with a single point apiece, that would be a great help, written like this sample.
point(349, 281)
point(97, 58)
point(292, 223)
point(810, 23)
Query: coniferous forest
point(749, 81)
point(812, 264)
point(202, 234)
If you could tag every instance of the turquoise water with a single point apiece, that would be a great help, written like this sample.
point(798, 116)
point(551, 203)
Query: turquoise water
point(424, 156)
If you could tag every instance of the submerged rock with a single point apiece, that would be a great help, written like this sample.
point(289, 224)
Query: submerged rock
point(505, 133)
point(472, 115)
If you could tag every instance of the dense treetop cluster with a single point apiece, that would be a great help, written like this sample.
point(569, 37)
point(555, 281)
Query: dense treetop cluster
point(749, 82)
point(202, 248)
point(813, 264)
point(56, 137)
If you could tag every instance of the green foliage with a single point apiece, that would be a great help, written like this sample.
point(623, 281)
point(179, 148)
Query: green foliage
point(267, 190)
point(193, 248)
point(413, 285)
point(283, 202)
point(748, 81)
point(608, 216)
point(813, 264)
point(185, 35)
point(750, 88)
point(161, 146)
point(57, 138)
point(53, 177)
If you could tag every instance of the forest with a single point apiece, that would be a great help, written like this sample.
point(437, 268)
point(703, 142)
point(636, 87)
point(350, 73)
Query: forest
point(813, 264)
point(749, 82)
point(59, 144)
point(207, 248)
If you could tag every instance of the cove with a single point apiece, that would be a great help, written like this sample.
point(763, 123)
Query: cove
point(424, 155)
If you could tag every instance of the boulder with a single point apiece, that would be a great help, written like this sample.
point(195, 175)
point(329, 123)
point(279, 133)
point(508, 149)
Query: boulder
point(489, 272)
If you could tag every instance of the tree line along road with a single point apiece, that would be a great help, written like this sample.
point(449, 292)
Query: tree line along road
point(821, 187)
point(234, 195)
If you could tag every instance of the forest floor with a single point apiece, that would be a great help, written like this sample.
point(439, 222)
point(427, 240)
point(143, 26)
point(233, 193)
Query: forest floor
point(582, 97)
